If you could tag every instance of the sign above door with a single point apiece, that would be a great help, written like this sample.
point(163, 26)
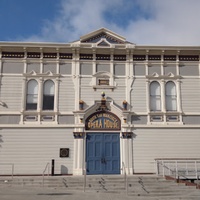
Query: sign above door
point(103, 120)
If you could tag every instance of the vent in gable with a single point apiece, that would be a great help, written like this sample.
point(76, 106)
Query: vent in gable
point(103, 43)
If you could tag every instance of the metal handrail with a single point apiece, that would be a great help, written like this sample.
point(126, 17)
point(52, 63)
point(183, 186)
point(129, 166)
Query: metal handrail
point(46, 167)
point(13, 166)
point(125, 177)
point(178, 175)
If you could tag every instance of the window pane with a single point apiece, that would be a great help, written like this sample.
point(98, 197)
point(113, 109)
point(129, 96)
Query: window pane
point(155, 88)
point(170, 97)
point(49, 87)
point(48, 102)
point(48, 96)
point(32, 95)
point(155, 97)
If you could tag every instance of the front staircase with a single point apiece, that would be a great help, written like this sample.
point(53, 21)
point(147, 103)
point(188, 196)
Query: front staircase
point(140, 186)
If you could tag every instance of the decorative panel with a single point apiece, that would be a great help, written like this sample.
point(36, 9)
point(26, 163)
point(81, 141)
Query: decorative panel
point(13, 67)
point(65, 68)
point(86, 69)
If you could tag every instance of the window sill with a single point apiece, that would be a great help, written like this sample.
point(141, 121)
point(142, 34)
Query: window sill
point(103, 87)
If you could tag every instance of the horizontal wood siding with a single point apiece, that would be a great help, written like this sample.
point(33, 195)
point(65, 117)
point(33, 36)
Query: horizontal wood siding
point(66, 95)
point(88, 94)
point(138, 95)
point(11, 93)
point(31, 149)
point(190, 94)
point(149, 144)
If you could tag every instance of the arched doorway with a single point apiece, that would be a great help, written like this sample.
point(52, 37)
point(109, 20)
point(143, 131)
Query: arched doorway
point(103, 143)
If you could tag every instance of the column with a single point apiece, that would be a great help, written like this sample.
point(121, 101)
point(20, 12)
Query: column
point(25, 60)
point(162, 61)
point(79, 153)
point(127, 153)
point(128, 80)
point(40, 98)
point(179, 103)
point(177, 63)
point(56, 99)
point(23, 105)
point(163, 101)
point(148, 101)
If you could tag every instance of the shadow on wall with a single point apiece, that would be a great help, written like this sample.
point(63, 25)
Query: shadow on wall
point(64, 169)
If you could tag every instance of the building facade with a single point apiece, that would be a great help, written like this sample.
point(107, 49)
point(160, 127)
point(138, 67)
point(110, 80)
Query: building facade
point(100, 103)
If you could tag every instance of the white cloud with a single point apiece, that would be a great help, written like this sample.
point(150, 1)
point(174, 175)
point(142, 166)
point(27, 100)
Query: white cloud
point(162, 22)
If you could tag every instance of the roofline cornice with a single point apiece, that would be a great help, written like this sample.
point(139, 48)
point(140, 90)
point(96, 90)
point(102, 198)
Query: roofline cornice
point(92, 45)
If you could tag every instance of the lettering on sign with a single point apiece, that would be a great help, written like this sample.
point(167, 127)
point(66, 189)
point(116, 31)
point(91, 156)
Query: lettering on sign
point(103, 82)
point(103, 120)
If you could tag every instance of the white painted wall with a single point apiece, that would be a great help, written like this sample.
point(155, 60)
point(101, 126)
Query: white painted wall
point(149, 144)
point(11, 93)
point(138, 95)
point(31, 149)
point(66, 99)
point(190, 95)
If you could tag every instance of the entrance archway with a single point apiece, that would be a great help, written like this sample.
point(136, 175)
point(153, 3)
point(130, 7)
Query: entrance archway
point(103, 147)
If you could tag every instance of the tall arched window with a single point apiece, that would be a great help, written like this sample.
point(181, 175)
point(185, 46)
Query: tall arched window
point(48, 95)
point(32, 95)
point(170, 96)
point(155, 96)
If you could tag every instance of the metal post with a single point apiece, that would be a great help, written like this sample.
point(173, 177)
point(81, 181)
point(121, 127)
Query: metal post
point(163, 168)
point(52, 167)
point(126, 185)
point(196, 171)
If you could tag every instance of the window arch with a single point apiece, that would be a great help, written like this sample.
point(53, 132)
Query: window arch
point(155, 96)
point(170, 96)
point(32, 95)
point(48, 95)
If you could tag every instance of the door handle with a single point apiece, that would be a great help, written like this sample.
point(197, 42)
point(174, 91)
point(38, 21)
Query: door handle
point(103, 160)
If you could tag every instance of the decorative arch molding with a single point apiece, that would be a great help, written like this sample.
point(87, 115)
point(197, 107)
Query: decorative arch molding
point(169, 76)
point(47, 74)
point(103, 120)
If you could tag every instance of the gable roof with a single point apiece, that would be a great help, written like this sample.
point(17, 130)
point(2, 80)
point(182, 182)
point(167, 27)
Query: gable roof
point(103, 36)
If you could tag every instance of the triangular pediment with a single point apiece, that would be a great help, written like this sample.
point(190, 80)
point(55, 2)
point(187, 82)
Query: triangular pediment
point(103, 37)
point(103, 42)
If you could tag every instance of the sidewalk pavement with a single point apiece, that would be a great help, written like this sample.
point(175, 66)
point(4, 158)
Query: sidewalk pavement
point(28, 193)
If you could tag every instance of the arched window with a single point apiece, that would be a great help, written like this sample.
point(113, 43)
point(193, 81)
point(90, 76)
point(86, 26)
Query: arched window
point(170, 96)
point(155, 96)
point(32, 95)
point(48, 95)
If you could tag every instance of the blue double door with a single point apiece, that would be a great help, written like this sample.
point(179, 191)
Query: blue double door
point(103, 153)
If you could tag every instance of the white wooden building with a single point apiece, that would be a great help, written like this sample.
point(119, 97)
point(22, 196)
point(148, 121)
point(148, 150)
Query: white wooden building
point(99, 102)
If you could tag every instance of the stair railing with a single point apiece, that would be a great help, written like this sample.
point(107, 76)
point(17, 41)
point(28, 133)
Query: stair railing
point(47, 167)
point(176, 172)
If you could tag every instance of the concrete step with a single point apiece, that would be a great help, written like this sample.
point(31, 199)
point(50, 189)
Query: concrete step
point(138, 186)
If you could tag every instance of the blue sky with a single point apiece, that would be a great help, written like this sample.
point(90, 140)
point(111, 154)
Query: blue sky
point(150, 22)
